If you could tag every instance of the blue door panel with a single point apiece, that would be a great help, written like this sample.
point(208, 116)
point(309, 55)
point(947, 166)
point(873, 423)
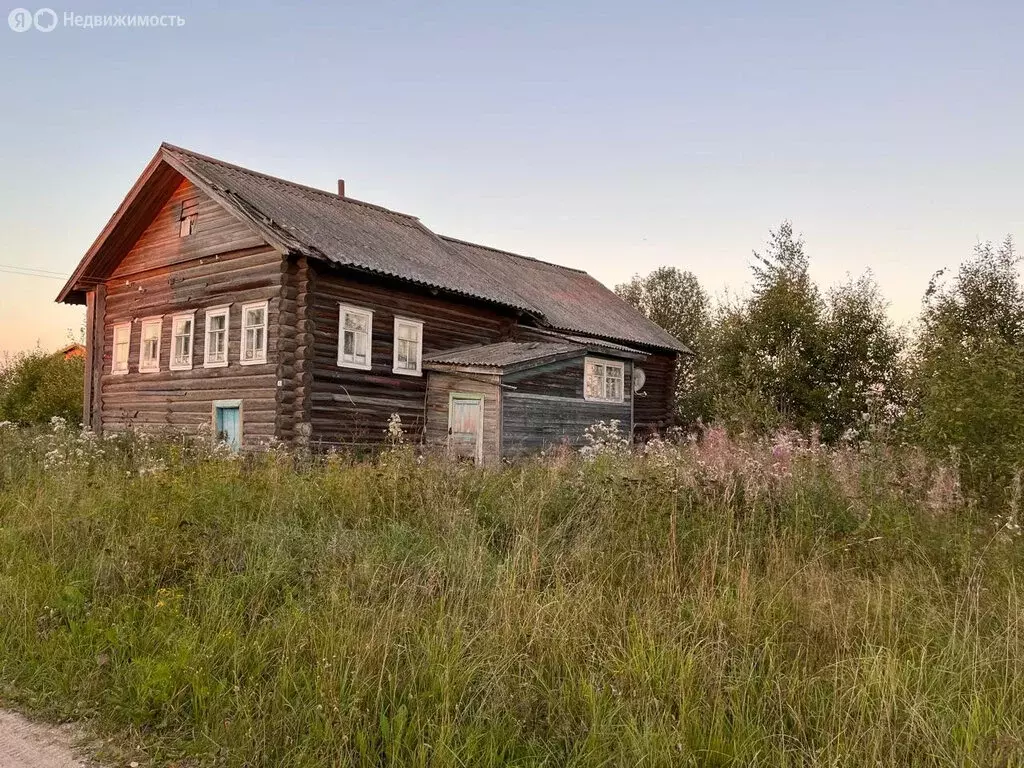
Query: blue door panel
point(228, 423)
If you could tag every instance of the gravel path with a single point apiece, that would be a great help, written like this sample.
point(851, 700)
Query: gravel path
point(24, 744)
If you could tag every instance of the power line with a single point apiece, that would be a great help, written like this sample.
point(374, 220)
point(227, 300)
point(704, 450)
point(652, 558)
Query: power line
point(31, 269)
point(31, 272)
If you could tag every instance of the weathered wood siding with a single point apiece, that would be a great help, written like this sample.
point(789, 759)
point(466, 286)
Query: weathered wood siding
point(654, 405)
point(545, 406)
point(350, 407)
point(440, 386)
point(220, 263)
point(216, 232)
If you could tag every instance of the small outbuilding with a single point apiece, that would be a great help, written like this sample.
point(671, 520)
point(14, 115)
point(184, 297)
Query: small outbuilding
point(503, 400)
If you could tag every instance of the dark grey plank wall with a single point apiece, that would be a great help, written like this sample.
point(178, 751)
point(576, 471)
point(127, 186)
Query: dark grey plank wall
point(546, 407)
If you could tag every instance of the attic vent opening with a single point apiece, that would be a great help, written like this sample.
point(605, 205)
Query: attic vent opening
point(187, 218)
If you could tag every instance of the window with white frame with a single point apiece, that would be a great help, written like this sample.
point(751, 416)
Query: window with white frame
point(149, 349)
point(122, 346)
point(355, 337)
point(408, 346)
point(182, 331)
point(215, 350)
point(603, 380)
point(254, 333)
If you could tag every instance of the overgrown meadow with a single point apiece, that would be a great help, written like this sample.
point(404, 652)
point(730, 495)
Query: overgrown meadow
point(722, 602)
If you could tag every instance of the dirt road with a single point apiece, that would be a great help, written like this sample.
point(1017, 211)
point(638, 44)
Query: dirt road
point(24, 744)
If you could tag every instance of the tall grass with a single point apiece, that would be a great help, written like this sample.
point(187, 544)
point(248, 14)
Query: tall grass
point(726, 603)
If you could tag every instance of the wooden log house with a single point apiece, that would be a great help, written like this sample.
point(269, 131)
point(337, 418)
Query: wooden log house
point(221, 298)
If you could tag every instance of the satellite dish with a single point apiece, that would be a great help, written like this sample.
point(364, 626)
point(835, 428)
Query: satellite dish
point(639, 379)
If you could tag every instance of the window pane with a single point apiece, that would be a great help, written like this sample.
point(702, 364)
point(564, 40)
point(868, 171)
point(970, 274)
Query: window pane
point(408, 337)
point(182, 341)
point(613, 388)
point(354, 340)
point(593, 380)
point(355, 321)
point(215, 339)
point(613, 382)
point(407, 359)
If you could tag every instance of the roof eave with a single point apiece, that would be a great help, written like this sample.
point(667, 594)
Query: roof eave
point(621, 340)
point(485, 370)
point(507, 368)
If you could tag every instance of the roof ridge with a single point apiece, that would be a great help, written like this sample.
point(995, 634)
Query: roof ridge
point(335, 198)
point(330, 195)
point(517, 255)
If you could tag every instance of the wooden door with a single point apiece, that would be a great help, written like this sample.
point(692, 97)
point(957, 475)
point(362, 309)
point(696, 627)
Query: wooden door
point(466, 427)
point(227, 425)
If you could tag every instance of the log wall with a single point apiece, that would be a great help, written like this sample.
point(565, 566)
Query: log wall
point(350, 408)
point(220, 263)
point(301, 395)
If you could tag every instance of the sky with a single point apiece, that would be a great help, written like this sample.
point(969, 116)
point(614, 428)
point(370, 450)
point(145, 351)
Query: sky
point(613, 137)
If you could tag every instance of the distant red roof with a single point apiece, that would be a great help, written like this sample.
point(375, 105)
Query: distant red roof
point(71, 350)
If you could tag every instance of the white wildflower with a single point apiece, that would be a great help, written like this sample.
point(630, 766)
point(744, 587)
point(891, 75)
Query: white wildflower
point(604, 438)
point(394, 431)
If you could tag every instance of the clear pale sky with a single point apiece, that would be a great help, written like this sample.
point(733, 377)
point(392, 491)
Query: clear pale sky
point(611, 136)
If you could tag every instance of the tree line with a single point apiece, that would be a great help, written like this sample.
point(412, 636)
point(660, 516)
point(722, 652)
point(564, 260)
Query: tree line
point(832, 363)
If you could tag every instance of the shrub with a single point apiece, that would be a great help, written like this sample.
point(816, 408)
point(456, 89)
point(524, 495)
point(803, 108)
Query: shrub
point(969, 376)
point(36, 386)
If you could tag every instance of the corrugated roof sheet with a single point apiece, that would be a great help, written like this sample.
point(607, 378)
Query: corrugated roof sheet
point(355, 234)
point(590, 342)
point(503, 354)
point(569, 300)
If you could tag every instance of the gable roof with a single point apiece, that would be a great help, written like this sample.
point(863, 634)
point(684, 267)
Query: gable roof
point(298, 219)
point(568, 299)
